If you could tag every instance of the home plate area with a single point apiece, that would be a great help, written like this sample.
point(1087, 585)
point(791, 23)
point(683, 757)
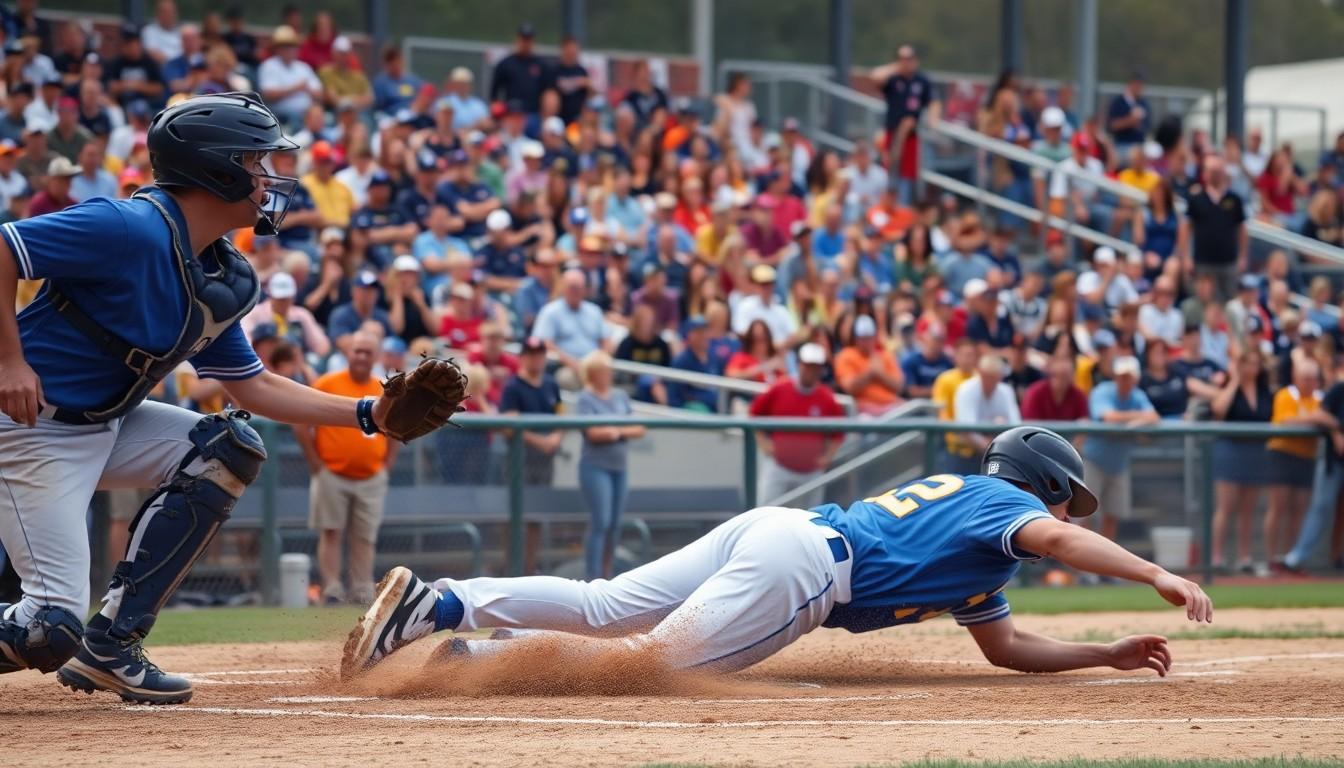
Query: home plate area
point(832, 698)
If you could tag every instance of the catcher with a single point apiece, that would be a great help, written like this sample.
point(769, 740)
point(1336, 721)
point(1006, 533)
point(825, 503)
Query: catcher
point(134, 288)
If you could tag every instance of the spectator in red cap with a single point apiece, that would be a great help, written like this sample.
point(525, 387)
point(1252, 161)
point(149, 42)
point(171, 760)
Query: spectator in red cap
point(68, 137)
point(794, 458)
point(129, 181)
point(333, 199)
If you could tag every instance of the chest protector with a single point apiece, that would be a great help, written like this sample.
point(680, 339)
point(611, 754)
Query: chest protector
point(215, 300)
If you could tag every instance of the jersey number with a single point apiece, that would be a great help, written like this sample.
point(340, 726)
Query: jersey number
point(902, 501)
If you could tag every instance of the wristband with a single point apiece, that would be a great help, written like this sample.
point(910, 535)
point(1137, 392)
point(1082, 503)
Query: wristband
point(364, 415)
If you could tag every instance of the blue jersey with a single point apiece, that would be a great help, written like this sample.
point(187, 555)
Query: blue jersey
point(938, 545)
point(114, 259)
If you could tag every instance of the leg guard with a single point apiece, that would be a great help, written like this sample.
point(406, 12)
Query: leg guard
point(174, 526)
point(44, 644)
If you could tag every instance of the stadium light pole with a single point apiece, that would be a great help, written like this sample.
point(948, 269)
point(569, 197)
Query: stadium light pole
point(1085, 56)
point(133, 11)
point(375, 23)
point(702, 43)
point(1011, 34)
point(1236, 43)
point(573, 21)
point(842, 44)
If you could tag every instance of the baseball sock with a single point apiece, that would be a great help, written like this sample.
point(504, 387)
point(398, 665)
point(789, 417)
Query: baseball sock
point(448, 612)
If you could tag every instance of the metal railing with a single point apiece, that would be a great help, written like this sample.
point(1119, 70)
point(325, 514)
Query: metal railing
point(1197, 434)
point(1215, 119)
point(725, 385)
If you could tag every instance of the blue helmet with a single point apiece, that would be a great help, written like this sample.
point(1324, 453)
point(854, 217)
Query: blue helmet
point(202, 142)
point(1043, 461)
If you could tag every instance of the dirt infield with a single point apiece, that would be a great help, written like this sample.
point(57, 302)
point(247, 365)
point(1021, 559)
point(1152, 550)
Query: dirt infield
point(832, 698)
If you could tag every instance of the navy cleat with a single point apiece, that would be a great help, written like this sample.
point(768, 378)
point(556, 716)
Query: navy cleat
point(404, 610)
point(104, 664)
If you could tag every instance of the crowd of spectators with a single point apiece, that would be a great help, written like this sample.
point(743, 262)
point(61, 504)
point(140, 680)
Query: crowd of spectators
point(524, 206)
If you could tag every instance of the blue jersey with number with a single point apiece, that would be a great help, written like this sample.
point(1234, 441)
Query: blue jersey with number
point(938, 545)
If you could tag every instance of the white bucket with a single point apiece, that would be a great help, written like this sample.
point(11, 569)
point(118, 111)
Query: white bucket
point(294, 569)
point(1171, 546)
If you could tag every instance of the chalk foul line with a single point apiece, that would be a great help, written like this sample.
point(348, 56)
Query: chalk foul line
point(676, 724)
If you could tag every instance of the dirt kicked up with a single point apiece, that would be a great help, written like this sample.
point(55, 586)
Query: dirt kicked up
point(833, 698)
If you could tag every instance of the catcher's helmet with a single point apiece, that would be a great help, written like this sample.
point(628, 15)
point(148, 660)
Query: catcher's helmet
point(1045, 462)
point(202, 142)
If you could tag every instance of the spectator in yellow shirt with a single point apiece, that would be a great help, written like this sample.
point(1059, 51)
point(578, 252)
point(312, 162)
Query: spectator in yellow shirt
point(709, 237)
point(333, 199)
point(958, 455)
point(1292, 460)
point(343, 83)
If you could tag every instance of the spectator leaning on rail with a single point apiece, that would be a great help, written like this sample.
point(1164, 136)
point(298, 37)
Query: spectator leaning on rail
point(1325, 491)
point(1106, 458)
point(958, 455)
point(791, 459)
point(534, 391)
point(1292, 459)
point(603, 473)
point(986, 399)
point(1056, 397)
point(349, 483)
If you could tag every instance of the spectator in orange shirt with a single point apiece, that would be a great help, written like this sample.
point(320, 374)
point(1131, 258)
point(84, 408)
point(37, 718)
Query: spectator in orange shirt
point(867, 372)
point(890, 218)
point(349, 483)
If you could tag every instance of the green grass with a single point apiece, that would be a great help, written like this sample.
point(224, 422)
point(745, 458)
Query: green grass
point(1052, 600)
point(1316, 631)
point(1083, 762)
point(269, 625)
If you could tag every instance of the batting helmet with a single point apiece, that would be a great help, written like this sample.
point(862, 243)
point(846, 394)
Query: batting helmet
point(216, 143)
point(1045, 462)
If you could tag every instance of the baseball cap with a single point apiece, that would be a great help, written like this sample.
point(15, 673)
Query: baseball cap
point(8, 147)
point(283, 35)
point(695, 323)
point(1126, 365)
point(864, 327)
point(533, 344)
point(462, 290)
point(526, 30)
point(394, 344)
point(514, 107)
point(498, 220)
point(799, 228)
point(366, 278)
point(138, 108)
point(762, 274)
point(461, 75)
point(1104, 255)
point(67, 102)
point(406, 116)
point(812, 354)
point(578, 216)
point(379, 178)
point(533, 150)
point(789, 124)
point(405, 263)
point(665, 200)
point(1052, 117)
point(60, 166)
point(1249, 283)
point(330, 235)
point(341, 44)
point(1088, 282)
point(322, 151)
point(281, 286)
point(946, 298)
point(974, 288)
point(1309, 329)
point(1090, 312)
point(131, 31)
point(264, 332)
point(426, 161)
point(1152, 150)
point(553, 124)
point(457, 157)
point(1103, 339)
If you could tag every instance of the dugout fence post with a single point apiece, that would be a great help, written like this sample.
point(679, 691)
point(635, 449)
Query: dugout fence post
point(749, 468)
point(931, 451)
point(516, 532)
point(1205, 449)
point(269, 578)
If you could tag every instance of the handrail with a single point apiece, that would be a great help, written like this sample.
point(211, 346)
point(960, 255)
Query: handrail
point(705, 380)
point(532, 421)
point(1293, 241)
point(857, 462)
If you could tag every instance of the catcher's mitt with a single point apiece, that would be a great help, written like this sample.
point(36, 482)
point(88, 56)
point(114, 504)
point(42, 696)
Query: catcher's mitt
point(423, 400)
